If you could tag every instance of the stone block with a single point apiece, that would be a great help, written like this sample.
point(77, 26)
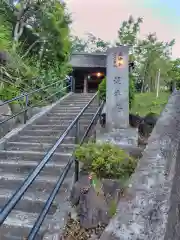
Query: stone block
point(5, 113)
point(93, 207)
point(5, 110)
point(122, 137)
point(117, 89)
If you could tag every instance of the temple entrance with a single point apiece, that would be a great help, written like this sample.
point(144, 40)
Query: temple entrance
point(89, 69)
point(87, 80)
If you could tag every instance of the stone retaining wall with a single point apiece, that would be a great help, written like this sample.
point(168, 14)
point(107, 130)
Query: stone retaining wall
point(150, 209)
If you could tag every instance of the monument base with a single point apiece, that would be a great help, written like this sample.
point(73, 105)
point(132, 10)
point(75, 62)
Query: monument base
point(125, 138)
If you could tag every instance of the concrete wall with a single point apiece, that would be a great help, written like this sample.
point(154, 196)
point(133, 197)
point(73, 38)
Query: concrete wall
point(150, 209)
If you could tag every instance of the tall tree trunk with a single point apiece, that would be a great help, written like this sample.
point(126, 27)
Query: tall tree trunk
point(19, 27)
point(18, 30)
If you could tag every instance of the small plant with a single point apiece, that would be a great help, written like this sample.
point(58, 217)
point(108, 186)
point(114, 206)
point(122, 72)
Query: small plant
point(102, 90)
point(106, 160)
point(154, 103)
point(113, 208)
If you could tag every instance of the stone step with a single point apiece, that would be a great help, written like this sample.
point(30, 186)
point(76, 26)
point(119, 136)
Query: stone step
point(46, 132)
point(73, 103)
point(57, 121)
point(62, 127)
point(44, 183)
point(39, 147)
point(75, 107)
point(41, 139)
point(18, 225)
point(33, 156)
point(72, 110)
point(60, 120)
point(70, 114)
point(76, 100)
point(79, 97)
point(64, 117)
point(25, 167)
point(50, 132)
point(32, 202)
point(53, 127)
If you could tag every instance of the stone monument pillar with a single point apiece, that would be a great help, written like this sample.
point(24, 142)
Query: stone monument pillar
point(117, 88)
point(117, 129)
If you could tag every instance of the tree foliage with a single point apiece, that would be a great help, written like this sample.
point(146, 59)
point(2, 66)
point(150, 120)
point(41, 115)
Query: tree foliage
point(152, 56)
point(149, 54)
point(174, 74)
point(128, 32)
point(35, 42)
point(89, 43)
point(35, 37)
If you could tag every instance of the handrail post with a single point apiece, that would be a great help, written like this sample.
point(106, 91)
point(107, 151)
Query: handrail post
point(76, 176)
point(26, 106)
point(99, 100)
point(72, 84)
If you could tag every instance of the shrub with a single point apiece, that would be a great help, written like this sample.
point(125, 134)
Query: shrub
point(102, 90)
point(106, 160)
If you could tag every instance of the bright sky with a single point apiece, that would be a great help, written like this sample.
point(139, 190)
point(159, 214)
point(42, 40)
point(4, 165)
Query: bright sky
point(103, 18)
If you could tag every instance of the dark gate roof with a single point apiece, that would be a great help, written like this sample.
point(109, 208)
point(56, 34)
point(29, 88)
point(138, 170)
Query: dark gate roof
point(88, 60)
point(91, 60)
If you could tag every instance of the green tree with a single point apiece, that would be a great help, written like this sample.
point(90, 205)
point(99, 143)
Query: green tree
point(90, 43)
point(153, 55)
point(128, 32)
point(78, 44)
point(128, 35)
point(46, 23)
point(96, 44)
point(149, 55)
point(174, 73)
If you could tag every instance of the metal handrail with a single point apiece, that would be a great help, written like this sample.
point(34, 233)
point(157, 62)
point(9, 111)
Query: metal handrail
point(32, 176)
point(26, 95)
point(39, 89)
point(60, 181)
point(12, 100)
point(27, 108)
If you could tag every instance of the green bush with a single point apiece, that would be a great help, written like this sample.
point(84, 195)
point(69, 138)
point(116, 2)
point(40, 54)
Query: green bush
point(102, 90)
point(105, 160)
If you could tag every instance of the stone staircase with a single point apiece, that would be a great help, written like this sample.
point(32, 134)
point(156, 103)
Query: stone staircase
point(23, 152)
